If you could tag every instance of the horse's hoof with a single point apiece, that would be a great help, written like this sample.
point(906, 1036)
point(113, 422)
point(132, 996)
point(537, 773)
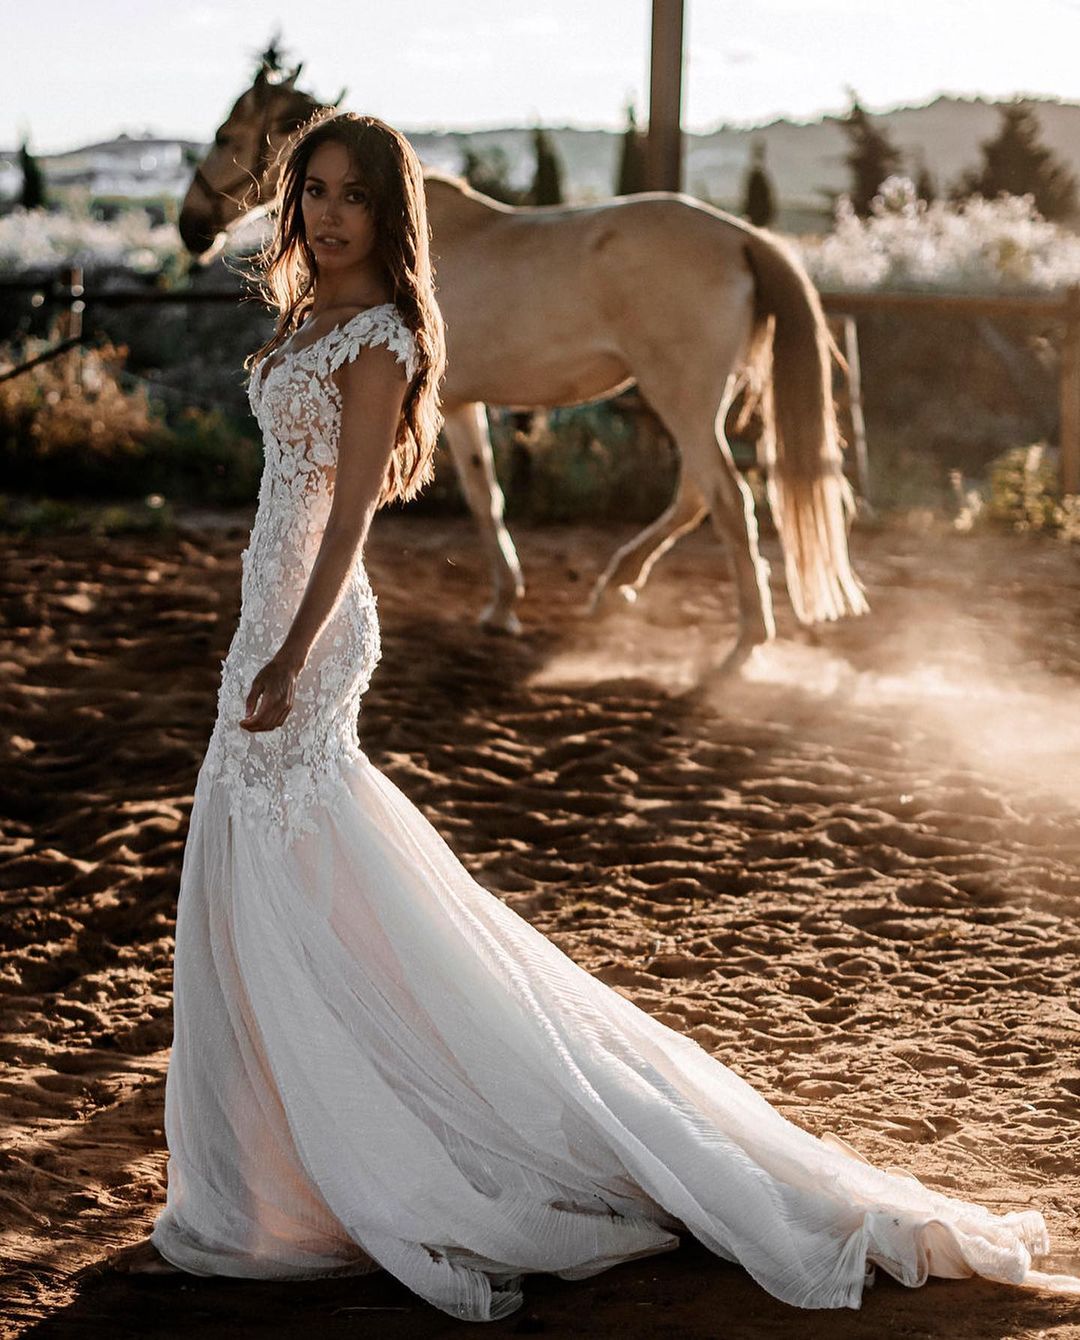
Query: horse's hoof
point(500, 621)
point(734, 662)
point(608, 599)
point(809, 634)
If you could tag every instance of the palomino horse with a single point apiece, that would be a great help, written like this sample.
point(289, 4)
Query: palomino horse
point(561, 305)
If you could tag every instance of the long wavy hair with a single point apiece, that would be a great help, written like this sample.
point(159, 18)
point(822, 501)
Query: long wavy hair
point(286, 271)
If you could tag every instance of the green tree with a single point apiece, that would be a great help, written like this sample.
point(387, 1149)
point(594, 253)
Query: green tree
point(759, 201)
point(1016, 162)
point(547, 181)
point(32, 195)
point(488, 171)
point(871, 158)
point(631, 178)
point(925, 187)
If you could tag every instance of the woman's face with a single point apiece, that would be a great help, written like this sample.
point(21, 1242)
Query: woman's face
point(338, 220)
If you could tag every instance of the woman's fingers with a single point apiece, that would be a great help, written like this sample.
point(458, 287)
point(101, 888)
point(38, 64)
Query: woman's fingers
point(252, 698)
point(271, 712)
point(267, 718)
point(273, 693)
point(255, 693)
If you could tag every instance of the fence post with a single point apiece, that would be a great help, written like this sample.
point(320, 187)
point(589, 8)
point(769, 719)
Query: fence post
point(849, 402)
point(71, 283)
point(69, 327)
point(1069, 391)
point(855, 407)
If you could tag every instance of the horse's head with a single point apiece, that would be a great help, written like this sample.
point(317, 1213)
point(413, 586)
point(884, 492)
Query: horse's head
point(240, 173)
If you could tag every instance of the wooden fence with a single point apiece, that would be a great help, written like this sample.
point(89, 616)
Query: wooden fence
point(1061, 308)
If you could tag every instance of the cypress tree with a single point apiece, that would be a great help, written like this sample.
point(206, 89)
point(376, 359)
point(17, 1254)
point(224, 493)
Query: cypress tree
point(1016, 162)
point(32, 195)
point(631, 178)
point(488, 171)
point(871, 158)
point(759, 201)
point(547, 181)
point(925, 188)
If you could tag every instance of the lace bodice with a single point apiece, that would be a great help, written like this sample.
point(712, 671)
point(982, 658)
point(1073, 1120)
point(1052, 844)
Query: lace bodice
point(293, 395)
point(276, 776)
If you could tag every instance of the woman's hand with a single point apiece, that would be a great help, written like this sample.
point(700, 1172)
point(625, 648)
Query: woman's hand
point(273, 689)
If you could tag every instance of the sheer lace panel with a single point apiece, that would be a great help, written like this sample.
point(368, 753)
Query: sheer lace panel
point(277, 775)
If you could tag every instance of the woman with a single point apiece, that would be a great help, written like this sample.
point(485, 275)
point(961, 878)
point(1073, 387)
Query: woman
point(376, 1062)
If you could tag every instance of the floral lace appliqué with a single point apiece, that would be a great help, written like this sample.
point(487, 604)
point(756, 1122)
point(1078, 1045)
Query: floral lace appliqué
point(276, 777)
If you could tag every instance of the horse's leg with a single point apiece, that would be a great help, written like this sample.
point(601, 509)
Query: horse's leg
point(707, 459)
point(630, 566)
point(467, 435)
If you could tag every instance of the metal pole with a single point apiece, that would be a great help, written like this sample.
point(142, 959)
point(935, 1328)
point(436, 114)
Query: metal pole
point(1069, 432)
point(663, 153)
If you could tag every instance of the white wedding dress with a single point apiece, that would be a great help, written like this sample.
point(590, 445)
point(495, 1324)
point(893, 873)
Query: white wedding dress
point(377, 1063)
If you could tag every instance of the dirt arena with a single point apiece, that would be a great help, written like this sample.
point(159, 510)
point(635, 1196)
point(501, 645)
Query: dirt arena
point(854, 877)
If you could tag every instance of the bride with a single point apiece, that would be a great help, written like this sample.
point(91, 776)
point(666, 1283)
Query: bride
point(376, 1063)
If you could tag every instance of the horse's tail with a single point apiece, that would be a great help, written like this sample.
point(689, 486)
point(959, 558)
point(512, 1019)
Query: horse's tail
point(789, 380)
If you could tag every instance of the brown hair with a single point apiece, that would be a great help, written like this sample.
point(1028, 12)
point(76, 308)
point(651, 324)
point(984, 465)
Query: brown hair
point(286, 270)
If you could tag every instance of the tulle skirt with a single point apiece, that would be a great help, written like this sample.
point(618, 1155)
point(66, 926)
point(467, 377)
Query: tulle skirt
point(377, 1063)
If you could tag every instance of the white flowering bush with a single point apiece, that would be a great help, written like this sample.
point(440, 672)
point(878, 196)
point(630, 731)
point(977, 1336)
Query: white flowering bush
point(975, 246)
point(32, 239)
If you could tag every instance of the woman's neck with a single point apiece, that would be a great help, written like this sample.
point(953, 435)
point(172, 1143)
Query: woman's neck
point(350, 290)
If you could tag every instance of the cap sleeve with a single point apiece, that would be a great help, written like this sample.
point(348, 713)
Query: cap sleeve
point(376, 325)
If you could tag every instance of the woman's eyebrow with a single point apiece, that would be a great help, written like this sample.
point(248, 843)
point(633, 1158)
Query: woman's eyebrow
point(352, 181)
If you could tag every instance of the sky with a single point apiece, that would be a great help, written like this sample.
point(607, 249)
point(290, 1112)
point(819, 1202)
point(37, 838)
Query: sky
point(75, 71)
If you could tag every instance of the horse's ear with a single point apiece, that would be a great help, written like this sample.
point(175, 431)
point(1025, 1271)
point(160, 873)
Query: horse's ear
point(260, 78)
point(291, 80)
point(337, 100)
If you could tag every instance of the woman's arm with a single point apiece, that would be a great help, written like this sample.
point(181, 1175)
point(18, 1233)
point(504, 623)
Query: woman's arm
point(373, 390)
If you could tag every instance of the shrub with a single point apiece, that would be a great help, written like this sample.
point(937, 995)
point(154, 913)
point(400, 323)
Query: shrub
point(204, 459)
point(43, 239)
point(47, 516)
point(32, 239)
point(1070, 518)
point(587, 462)
point(976, 246)
point(71, 428)
point(68, 424)
point(1024, 494)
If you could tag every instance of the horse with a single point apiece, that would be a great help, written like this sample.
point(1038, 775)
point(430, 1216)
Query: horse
point(567, 304)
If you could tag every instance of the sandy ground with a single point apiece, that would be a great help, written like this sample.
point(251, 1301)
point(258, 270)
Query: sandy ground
point(853, 877)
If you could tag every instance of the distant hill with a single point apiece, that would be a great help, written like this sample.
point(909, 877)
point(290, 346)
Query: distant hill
point(805, 159)
point(127, 167)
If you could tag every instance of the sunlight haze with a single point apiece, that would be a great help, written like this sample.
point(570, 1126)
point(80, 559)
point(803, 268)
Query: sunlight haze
point(175, 69)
